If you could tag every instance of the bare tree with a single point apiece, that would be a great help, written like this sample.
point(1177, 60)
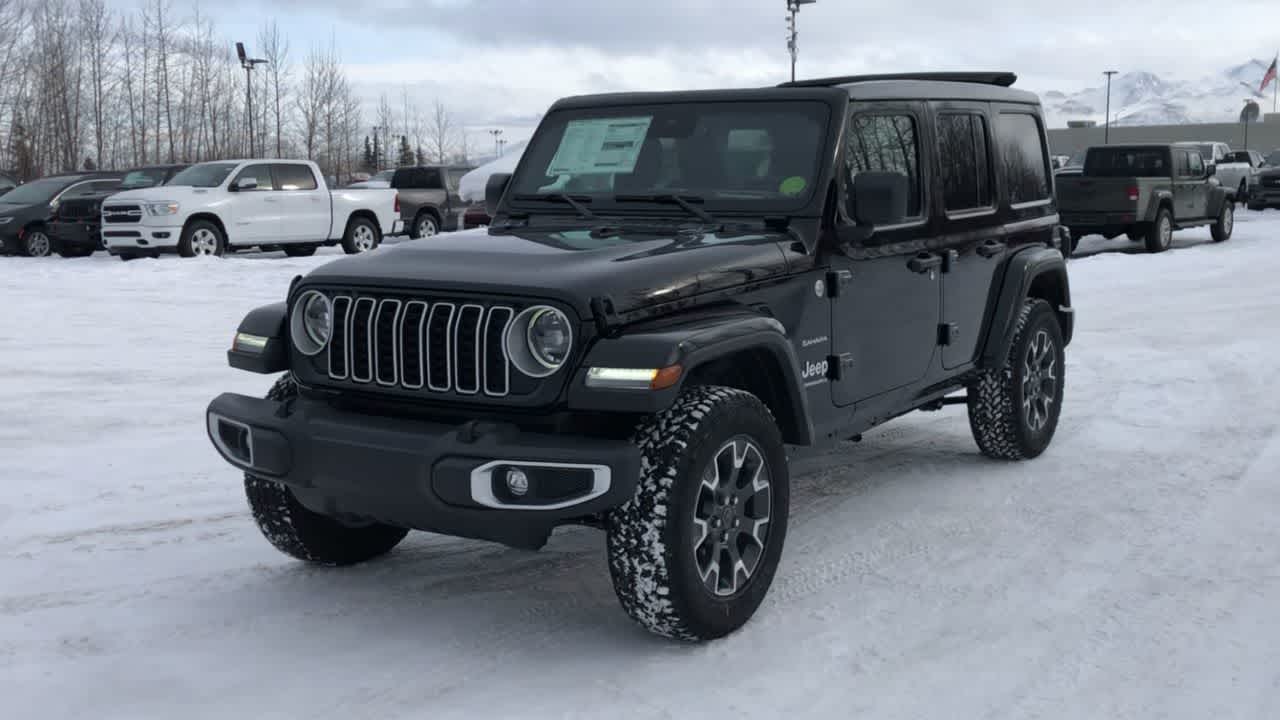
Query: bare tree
point(275, 50)
point(96, 27)
point(440, 131)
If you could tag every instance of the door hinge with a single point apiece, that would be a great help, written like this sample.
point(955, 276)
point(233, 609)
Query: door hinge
point(839, 366)
point(948, 333)
point(836, 280)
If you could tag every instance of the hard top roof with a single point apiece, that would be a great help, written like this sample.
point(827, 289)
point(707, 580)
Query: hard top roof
point(983, 86)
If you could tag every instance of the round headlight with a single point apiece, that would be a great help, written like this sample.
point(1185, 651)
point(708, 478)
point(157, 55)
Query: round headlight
point(311, 322)
point(539, 340)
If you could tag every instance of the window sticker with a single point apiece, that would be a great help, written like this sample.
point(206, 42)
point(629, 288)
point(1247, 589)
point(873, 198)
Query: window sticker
point(599, 146)
point(793, 186)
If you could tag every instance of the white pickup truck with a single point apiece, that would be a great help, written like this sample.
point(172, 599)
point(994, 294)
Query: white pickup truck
point(216, 207)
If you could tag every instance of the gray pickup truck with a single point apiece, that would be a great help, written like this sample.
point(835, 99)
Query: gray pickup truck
point(1145, 192)
point(429, 201)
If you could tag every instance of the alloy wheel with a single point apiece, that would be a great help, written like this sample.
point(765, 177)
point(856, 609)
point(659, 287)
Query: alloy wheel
point(1166, 233)
point(731, 516)
point(362, 238)
point(1039, 381)
point(426, 226)
point(38, 244)
point(204, 242)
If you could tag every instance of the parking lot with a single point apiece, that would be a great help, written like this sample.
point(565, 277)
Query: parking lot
point(1128, 573)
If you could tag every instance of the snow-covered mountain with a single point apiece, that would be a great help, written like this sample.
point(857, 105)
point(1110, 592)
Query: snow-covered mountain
point(1147, 98)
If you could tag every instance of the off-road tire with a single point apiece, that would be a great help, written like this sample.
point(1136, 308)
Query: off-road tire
point(349, 239)
point(652, 537)
point(299, 250)
point(996, 413)
point(1242, 194)
point(300, 533)
point(1225, 224)
point(1157, 239)
point(187, 245)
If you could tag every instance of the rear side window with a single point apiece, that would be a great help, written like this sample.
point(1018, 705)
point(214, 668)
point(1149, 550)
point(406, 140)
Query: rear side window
point(964, 162)
point(886, 143)
point(294, 177)
point(417, 179)
point(1024, 160)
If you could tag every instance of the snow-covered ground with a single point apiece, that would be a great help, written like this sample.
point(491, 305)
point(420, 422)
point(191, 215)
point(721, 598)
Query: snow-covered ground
point(1131, 572)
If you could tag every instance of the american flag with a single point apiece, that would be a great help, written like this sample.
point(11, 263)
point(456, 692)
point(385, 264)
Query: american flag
point(1269, 77)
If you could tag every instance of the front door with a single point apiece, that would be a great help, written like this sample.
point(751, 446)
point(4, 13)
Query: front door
point(304, 206)
point(973, 242)
point(1197, 187)
point(884, 320)
point(256, 214)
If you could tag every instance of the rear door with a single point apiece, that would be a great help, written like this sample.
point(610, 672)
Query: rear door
point(973, 239)
point(256, 215)
point(1198, 185)
point(304, 205)
point(1183, 196)
point(884, 320)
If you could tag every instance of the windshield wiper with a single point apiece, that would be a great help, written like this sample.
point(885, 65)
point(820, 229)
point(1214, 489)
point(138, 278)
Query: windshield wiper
point(572, 201)
point(686, 202)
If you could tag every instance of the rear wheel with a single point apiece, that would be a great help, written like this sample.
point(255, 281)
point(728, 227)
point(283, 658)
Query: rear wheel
point(1226, 222)
point(693, 553)
point(1160, 234)
point(361, 236)
point(300, 533)
point(1242, 194)
point(1013, 410)
point(425, 225)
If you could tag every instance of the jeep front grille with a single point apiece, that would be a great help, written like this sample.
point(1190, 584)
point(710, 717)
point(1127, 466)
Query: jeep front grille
point(420, 345)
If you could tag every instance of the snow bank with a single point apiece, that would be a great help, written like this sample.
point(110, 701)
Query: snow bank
point(471, 186)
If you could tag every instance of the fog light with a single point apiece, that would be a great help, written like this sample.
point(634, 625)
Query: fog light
point(517, 482)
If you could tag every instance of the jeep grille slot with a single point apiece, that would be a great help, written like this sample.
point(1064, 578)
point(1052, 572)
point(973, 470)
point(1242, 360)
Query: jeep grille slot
point(420, 345)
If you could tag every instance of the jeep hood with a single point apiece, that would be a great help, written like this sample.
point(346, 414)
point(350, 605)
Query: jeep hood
point(633, 270)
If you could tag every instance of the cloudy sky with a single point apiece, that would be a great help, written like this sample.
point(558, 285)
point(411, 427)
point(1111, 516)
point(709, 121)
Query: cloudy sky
point(503, 61)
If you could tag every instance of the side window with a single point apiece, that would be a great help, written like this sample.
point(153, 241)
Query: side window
point(294, 177)
point(90, 188)
point(1196, 166)
point(1023, 158)
point(262, 173)
point(431, 180)
point(964, 162)
point(886, 143)
point(1181, 165)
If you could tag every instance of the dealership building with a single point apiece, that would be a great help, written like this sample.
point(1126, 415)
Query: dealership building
point(1264, 135)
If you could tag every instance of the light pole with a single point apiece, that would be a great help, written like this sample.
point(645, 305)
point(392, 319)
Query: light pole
point(502, 146)
point(248, 64)
point(497, 144)
point(1106, 132)
point(793, 7)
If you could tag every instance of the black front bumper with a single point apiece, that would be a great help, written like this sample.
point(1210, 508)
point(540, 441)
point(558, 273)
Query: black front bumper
point(419, 474)
point(81, 235)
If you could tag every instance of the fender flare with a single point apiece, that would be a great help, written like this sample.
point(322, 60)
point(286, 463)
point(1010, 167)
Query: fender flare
point(267, 321)
point(1217, 198)
point(692, 346)
point(1158, 198)
point(1031, 272)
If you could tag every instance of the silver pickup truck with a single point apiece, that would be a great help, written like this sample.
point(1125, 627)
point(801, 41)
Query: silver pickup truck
point(1145, 192)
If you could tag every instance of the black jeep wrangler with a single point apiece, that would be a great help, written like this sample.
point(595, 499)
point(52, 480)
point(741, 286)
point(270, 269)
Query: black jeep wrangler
point(675, 287)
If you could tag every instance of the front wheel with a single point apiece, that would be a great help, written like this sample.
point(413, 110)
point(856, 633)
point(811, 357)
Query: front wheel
point(361, 236)
point(36, 243)
point(1013, 410)
point(300, 533)
point(693, 553)
point(201, 239)
point(1225, 224)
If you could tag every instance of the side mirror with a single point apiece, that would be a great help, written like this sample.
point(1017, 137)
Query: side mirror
point(248, 183)
point(1210, 170)
point(494, 189)
point(880, 198)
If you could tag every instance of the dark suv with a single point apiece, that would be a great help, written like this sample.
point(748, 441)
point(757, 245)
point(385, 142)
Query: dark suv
point(675, 287)
point(76, 228)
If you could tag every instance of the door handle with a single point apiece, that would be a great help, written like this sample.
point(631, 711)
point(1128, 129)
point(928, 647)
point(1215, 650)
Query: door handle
point(924, 262)
point(991, 248)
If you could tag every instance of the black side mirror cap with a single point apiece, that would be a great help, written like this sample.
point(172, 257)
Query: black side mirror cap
point(494, 189)
point(1211, 170)
point(880, 198)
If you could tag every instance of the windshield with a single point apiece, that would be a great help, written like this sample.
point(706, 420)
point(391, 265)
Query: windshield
point(206, 175)
point(747, 155)
point(142, 179)
point(39, 191)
